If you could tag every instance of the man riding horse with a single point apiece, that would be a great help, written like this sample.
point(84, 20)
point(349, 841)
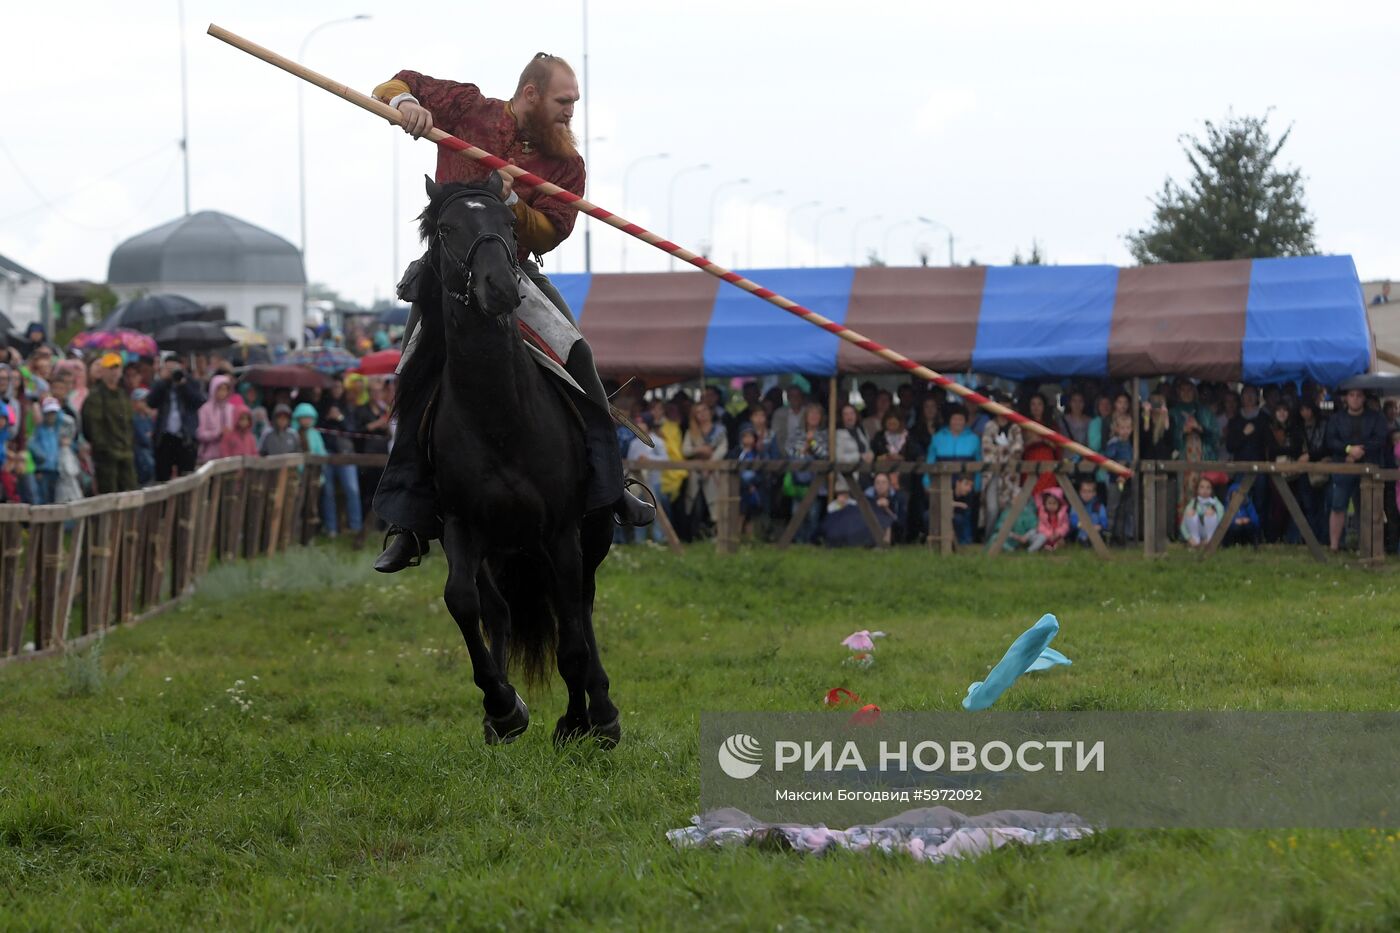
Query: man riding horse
point(530, 130)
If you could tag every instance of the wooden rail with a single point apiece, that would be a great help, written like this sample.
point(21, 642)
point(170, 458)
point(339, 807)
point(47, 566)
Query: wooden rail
point(75, 570)
point(1157, 516)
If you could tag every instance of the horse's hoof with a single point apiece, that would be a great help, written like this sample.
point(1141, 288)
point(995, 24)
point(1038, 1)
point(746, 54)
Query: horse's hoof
point(506, 729)
point(608, 734)
point(567, 730)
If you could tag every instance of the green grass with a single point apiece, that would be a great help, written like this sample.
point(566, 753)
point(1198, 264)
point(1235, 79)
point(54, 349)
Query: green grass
point(300, 746)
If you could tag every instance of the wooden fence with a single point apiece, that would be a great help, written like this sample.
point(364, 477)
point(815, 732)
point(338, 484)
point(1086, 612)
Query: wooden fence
point(1156, 513)
point(69, 572)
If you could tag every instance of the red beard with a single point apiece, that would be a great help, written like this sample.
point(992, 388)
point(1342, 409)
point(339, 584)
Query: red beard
point(554, 140)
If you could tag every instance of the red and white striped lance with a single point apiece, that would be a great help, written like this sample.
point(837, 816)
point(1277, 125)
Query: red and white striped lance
point(448, 141)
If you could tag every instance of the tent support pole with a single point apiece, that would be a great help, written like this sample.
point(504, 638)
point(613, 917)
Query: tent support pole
point(831, 434)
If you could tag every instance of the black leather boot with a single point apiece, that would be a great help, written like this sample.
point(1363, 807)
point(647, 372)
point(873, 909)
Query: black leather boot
point(403, 548)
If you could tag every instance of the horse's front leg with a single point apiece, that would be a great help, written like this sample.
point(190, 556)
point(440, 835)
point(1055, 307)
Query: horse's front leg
point(506, 715)
point(572, 653)
point(495, 617)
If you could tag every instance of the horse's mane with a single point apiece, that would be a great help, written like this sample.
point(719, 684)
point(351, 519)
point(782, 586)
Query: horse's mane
point(429, 356)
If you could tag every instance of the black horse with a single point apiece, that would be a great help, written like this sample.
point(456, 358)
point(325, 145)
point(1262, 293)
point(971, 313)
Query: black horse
point(507, 447)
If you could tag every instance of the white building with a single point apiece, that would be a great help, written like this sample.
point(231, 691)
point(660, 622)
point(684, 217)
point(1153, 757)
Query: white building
point(254, 276)
point(24, 295)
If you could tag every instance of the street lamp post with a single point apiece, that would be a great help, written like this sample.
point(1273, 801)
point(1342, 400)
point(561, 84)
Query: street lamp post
point(934, 223)
point(817, 231)
point(587, 128)
point(671, 204)
point(787, 232)
point(855, 236)
point(714, 203)
point(587, 221)
point(748, 240)
point(301, 123)
point(626, 174)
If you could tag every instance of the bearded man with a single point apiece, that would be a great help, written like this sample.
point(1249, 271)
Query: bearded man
point(530, 130)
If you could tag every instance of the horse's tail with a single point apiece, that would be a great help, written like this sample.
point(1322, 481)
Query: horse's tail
point(534, 619)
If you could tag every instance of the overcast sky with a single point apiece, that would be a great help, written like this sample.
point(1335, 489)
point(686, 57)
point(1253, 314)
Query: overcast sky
point(1008, 122)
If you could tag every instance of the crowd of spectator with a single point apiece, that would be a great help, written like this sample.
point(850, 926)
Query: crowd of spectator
point(876, 429)
point(78, 426)
point(74, 426)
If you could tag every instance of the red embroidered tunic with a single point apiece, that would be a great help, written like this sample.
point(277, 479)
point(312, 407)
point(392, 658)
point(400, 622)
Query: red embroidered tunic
point(463, 111)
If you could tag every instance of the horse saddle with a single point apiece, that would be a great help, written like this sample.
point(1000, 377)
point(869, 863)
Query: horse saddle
point(546, 331)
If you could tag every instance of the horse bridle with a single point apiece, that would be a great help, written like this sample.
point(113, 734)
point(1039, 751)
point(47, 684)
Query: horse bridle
point(464, 264)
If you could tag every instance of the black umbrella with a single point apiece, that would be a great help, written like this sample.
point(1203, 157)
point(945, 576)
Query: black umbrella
point(193, 337)
point(152, 313)
point(396, 316)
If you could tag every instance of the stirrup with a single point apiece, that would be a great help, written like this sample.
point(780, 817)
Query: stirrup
point(417, 559)
point(650, 498)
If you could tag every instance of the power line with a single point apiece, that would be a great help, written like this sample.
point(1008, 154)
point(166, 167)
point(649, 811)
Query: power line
point(52, 203)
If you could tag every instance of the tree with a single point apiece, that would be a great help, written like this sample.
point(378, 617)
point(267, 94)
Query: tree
point(1238, 204)
point(320, 291)
point(1036, 258)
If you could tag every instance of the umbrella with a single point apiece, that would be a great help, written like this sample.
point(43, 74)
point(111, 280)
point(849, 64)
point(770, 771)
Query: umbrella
point(152, 313)
point(381, 363)
point(6, 325)
point(193, 336)
point(395, 317)
point(133, 342)
point(245, 336)
point(285, 376)
point(328, 360)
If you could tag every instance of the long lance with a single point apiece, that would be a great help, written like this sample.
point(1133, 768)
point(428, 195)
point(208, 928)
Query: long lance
point(448, 141)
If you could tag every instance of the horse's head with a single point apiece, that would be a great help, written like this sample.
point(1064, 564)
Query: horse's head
point(473, 237)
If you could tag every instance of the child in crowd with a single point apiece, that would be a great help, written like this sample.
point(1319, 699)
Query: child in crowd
point(1098, 512)
point(1122, 494)
point(1202, 514)
point(261, 424)
point(240, 441)
point(886, 499)
point(69, 487)
point(964, 508)
point(10, 470)
point(1023, 530)
point(43, 447)
point(1052, 525)
point(281, 439)
point(306, 416)
point(753, 484)
point(143, 437)
point(1244, 529)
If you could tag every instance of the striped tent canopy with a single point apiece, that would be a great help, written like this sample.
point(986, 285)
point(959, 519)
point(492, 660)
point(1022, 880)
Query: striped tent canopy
point(1259, 321)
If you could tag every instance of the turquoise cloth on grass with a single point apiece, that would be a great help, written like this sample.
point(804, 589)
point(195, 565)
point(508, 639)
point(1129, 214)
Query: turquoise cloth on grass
point(1030, 652)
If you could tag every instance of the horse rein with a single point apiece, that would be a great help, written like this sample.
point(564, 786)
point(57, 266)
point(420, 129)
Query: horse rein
point(462, 264)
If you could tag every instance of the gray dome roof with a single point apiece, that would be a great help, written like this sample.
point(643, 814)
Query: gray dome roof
point(206, 247)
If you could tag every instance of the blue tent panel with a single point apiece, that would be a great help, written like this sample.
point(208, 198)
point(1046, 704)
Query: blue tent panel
point(1305, 317)
point(748, 335)
point(1045, 321)
point(574, 289)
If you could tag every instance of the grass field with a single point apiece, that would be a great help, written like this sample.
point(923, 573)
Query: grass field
point(300, 746)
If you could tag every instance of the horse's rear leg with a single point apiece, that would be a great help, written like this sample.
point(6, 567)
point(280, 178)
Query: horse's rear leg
point(604, 721)
point(572, 653)
point(506, 715)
